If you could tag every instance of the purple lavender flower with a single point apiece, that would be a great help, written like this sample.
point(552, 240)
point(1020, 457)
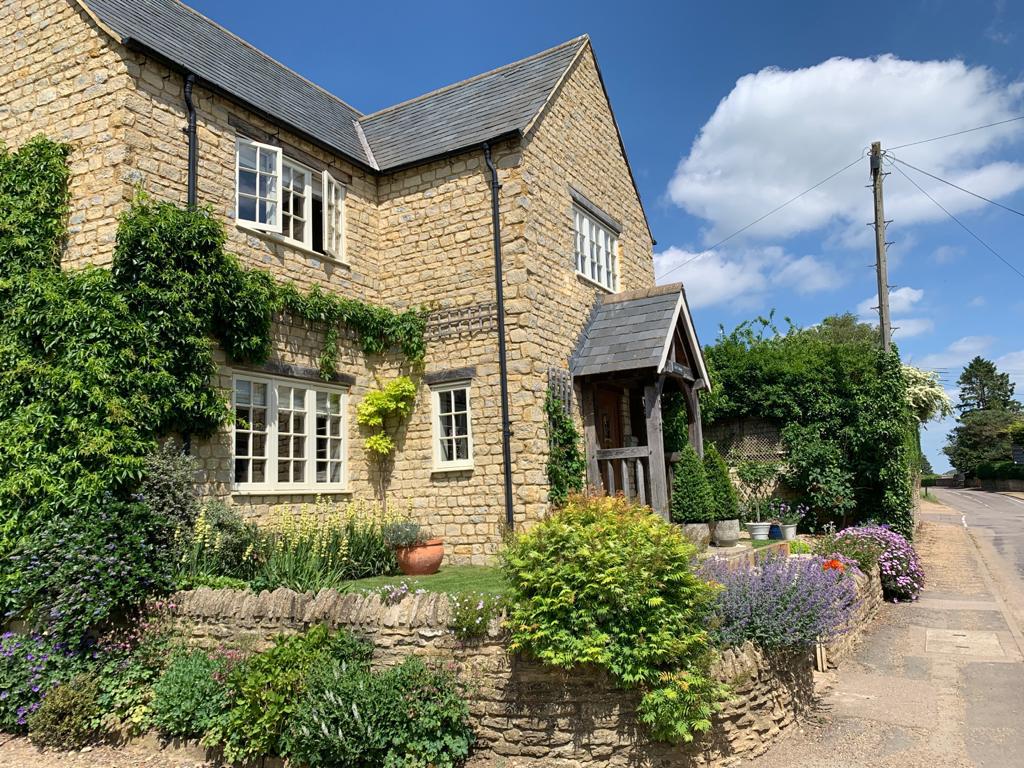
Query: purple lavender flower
point(782, 602)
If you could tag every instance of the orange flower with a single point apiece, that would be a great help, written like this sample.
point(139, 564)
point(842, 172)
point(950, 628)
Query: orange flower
point(833, 565)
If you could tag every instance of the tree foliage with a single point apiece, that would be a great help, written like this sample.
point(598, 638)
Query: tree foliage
point(850, 429)
point(984, 388)
point(981, 437)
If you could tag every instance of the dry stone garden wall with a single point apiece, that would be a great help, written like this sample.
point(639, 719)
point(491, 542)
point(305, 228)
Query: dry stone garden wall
point(527, 714)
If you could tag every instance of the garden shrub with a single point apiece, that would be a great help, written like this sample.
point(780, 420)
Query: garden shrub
point(781, 603)
point(472, 613)
point(66, 718)
point(409, 716)
point(607, 582)
point(898, 563)
point(724, 499)
point(861, 550)
point(264, 692)
point(566, 463)
point(995, 470)
point(188, 696)
point(691, 500)
point(30, 666)
point(217, 549)
point(816, 466)
point(168, 487)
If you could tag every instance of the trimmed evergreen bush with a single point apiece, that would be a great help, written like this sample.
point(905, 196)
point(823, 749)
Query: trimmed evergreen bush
point(692, 501)
point(725, 503)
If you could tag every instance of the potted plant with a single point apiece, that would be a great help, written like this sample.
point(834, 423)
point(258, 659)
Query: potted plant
point(757, 528)
point(691, 503)
point(790, 518)
point(725, 528)
point(759, 479)
point(417, 554)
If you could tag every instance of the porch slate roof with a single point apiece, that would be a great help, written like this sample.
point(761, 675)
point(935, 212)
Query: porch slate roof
point(632, 330)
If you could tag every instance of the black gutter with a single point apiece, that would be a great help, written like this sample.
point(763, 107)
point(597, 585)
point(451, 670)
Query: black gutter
point(499, 291)
point(190, 131)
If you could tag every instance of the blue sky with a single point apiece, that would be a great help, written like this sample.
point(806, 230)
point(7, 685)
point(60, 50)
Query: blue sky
point(728, 110)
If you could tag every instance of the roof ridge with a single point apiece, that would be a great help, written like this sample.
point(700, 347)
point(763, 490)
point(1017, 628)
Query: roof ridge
point(266, 55)
point(474, 78)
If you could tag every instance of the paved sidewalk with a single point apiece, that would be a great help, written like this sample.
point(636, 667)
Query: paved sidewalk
point(936, 684)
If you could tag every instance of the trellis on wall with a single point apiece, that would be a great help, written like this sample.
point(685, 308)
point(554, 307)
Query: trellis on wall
point(746, 439)
point(560, 385)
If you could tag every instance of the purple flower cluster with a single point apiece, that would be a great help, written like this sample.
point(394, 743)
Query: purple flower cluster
point(781, 602)
point(899, 565)
point(30, 665)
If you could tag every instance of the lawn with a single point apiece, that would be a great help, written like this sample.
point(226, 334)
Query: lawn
point(450, 579)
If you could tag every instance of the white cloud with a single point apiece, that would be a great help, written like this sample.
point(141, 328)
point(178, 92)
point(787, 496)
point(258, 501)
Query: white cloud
point(905, 327)
point(1013, 364)
point(956, 355)
point(779, 131)
point(944, 254)
point(743, 277)
point(977, 301)
point(901, 300)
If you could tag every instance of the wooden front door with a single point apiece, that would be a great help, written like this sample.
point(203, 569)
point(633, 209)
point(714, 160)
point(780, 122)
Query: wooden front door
point(609, 418)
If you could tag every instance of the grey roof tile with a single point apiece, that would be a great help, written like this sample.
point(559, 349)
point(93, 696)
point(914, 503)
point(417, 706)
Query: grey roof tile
point(493, 104)
point(199, 45)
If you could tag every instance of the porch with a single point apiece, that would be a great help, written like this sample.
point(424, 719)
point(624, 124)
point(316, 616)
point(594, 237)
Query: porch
point(638, 348)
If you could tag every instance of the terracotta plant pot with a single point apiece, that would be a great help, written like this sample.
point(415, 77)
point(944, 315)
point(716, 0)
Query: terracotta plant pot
point(420, 559)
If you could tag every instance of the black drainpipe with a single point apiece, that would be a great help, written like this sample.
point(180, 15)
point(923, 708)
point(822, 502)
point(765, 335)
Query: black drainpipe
point(190, 131)
point(499, 290)
point(193, 161)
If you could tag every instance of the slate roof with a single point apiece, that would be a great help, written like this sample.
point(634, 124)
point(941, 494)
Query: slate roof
point(197, 44)
point(629, 331)
point(497, 103)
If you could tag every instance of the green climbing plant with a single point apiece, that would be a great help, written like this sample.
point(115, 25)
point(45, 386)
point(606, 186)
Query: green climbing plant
point(382, 413)
point(566, 465)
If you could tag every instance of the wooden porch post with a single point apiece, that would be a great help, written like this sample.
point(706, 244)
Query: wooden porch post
point(656, 446)
point(696, 429)
point(587, 396)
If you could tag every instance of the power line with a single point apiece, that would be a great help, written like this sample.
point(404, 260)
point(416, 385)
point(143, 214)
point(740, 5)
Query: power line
point(954, 218)
point(956, 186)
point(759, 220)
point(959, 133)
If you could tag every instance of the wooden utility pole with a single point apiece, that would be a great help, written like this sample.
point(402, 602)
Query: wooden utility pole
point(881, 265)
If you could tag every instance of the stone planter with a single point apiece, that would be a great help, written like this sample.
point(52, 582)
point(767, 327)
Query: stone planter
point(788, 532)
point(726, 533)
point(758, 531)
point(698, 533)
point(420, 559)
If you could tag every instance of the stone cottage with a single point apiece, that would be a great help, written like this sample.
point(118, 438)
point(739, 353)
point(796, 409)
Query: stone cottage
point(518, 173)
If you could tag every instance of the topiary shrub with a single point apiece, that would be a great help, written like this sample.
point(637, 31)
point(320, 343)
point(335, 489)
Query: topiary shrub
point(188, 696)
point(604, 581)
point(409, 716)
point(725, 504)
point(65, 718)
point(691, 500)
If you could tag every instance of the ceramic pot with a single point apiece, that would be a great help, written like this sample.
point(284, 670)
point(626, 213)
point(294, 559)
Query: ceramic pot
point(758, 531)
point(775, 531)
point(420, 559)
point(698, 533)
point(788, 532)
point(726, 533)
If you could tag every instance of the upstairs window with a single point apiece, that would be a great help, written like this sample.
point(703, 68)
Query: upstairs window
point(596, 249)
point(279, 195)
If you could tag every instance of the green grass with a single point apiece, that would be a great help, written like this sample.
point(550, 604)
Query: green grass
point(450, 579)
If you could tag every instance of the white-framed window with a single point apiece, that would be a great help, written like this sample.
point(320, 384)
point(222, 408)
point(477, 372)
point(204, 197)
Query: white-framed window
point(596, 249)
point(288, 436)
point(453, 429)
point(276, 194)
point(258, 185)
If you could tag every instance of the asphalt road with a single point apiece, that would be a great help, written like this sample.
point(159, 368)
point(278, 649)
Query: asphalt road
point(999, 517)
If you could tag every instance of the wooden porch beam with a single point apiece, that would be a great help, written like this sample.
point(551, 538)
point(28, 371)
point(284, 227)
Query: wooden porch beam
point(656, 445)
point(696, 429)
point(589, 404)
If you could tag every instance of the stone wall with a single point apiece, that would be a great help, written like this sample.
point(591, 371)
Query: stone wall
point(869, 589)
point(526, 714)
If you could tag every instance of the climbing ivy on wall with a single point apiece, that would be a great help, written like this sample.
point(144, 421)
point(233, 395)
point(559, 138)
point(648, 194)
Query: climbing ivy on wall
point(566, 464)
point(96, 365)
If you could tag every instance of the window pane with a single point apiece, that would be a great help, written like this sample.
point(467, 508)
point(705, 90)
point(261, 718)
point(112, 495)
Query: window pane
point(460, 399)
point(247, 183)
point(299, 447)
point(335, 472)
point(268, 161)
point(241, 470)
point(259, 471)
point(243, 392)
point(241, 443)
point(447, 425)
point(246, 155)
point(462, 449)
point(462, 424)
point(259, 444)
point(259, 394)
point(447, 450)
point(259, 419)
point(321, 471)
point(445, 399)
point(284, 446)
point(321, 402)
point(321, 424)
point(284, 471)
point(247, 208)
